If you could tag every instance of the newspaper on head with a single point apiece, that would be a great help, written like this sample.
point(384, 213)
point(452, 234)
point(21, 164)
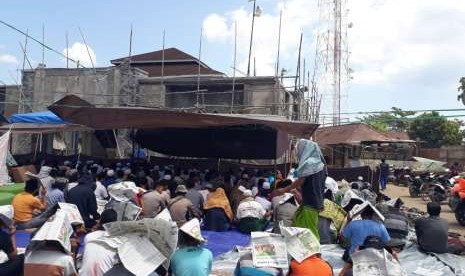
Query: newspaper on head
point(126, 210)
point(139, 256)
point(301, 242)
point(358, 209)
point(7, 214)
point(350, 196)
point(375, 262)
point(57, 229)
point(161, 231)
point(72, 211)
point(269, 250)
point(333, 212)
point(111, 242)
point(123, 191)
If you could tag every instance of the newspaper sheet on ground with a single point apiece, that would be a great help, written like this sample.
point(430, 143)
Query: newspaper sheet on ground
point(269, 250)
point(334, 212)
point(139, 255)
point(161, 231)
point(58, 229)
point(375, 262)
point(72, 211)
point(301, 242)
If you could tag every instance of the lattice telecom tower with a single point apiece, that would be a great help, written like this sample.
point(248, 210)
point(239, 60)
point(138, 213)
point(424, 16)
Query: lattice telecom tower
point(331, 71)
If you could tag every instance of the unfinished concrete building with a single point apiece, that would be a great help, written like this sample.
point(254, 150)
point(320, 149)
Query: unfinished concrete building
point(162, 79)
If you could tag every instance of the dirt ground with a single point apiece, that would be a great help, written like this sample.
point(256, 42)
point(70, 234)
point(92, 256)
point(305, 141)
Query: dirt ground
point(446, 213)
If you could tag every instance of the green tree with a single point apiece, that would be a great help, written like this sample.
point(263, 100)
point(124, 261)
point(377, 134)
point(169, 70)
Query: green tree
point(396, 120)
point(461, 89)
point(452, 133)
point(435, 130)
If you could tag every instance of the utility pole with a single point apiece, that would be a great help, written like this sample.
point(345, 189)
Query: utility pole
point(256, 12)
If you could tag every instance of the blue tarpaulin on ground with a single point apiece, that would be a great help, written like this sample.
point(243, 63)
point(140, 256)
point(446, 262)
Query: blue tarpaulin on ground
point(42, 117)
point(221, 242)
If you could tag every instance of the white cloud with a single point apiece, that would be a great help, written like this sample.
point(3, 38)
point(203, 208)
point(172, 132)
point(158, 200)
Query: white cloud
point(398, 49)
point(78, 52)
point(215, 27)
point(298, 15)
point(6, 58)
point(395, 38)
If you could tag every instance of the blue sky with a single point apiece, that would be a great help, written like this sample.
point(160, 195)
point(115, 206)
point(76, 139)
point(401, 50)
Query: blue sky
point(407, 54)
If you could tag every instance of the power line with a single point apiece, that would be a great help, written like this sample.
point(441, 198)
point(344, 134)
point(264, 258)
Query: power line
point(41, 43)
point(391, 111)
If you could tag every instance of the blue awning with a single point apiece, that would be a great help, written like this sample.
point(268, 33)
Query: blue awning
point(42, 117)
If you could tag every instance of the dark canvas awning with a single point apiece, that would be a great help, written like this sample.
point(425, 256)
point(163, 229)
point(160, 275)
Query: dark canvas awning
point(237, 142)
point(41, 128)
point(243, 131)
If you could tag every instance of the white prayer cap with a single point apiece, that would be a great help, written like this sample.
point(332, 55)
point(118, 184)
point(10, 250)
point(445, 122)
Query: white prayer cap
point(110, 173)
point(247, 193)
point(266, 185)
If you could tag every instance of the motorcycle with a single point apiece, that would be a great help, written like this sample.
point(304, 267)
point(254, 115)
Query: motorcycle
point(402, 176)
point(440, 189)
point(457, 202)
point(415, 185)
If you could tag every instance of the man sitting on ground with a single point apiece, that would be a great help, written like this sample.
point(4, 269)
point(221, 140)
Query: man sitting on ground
point(26, 205)
point(251, 214)
point(193, 195)
point(55, 194)
point(49, 257)
point(180, 205)
point(262, 196)
point(97, 258)
point(191, 258)
point(153, 202)
point(432, 232)
point(358, 230)
point(13, 265)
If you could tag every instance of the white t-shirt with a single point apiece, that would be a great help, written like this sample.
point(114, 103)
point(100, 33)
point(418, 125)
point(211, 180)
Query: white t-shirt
point(250, 209)
point(100, 191)
point(266, 204)
point(331, 184)
point(97, 258)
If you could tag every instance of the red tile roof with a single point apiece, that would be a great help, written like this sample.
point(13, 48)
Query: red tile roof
point(176, 63)
point(397, 135)
point(348, 134)
point(170, 54)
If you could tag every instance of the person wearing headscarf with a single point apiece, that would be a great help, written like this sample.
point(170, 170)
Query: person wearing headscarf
point(218, 213)
point(311, 173)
